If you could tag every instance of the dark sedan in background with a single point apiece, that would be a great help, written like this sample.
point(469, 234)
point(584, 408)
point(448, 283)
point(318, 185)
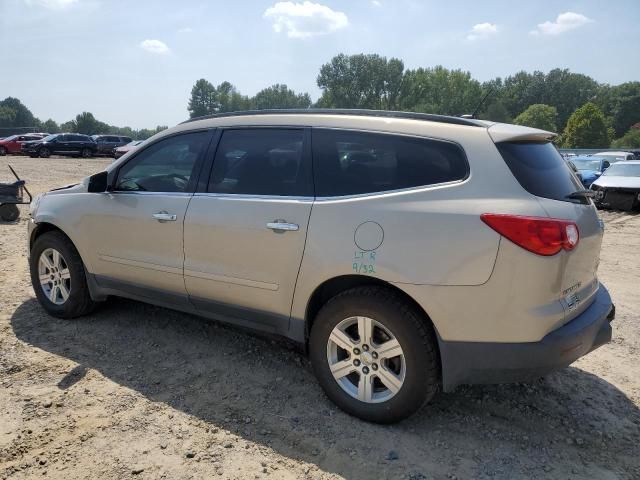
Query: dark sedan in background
point(107, 144)
point(70, 144)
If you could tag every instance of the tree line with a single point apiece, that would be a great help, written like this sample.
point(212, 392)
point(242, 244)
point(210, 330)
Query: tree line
point(14, 114)
point(586, 113)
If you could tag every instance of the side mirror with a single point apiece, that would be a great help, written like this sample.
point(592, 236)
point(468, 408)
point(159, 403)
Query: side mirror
point(598, 174)
point(98, 183)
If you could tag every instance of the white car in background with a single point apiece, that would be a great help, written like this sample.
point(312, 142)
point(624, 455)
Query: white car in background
point(616, 156)
point(619, 186)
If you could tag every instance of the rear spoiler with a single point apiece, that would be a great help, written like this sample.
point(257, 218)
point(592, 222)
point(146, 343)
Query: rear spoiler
point(504, 132)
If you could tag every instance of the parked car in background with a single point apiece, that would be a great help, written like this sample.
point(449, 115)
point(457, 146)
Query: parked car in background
point(120, 151)
point(615, 156)
point(407, 253)
point(70, 144)
point(619, 186)
point(13, 144)
point(590, 167)
point(107, 144)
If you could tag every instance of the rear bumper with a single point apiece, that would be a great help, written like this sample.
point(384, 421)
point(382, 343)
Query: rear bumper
point(486, 362)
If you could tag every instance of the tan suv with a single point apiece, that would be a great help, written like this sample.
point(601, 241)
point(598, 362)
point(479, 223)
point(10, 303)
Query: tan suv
point(406, 252)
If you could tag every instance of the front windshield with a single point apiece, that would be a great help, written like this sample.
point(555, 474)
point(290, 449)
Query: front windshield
point(624, 170)
point(49, 138)
point(586, 163)
point(12, 137)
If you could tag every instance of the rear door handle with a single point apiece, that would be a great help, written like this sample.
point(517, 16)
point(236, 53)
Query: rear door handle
point(164, 217)
point(282, 226)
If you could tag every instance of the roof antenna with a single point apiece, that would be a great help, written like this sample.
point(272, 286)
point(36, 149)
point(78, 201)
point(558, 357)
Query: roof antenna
point(473, 115)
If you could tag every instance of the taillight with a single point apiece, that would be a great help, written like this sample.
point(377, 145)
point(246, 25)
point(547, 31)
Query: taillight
point(543, 236)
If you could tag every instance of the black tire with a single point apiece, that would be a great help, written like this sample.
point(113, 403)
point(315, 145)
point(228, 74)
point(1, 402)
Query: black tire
point(413, 332)
point(3, 151)
point(85, 153)
point(9, 212)
point(44, 153)
point(79, 302)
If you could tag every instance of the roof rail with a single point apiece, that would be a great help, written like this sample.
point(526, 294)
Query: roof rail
point(347, 111)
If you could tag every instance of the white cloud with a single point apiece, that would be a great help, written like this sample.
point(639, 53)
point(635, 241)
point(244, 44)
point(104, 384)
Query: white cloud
point(185, 30)
point(566, 21)
point(482, 30)
point(155, 46)
point(376, 3)
point(52, 4)
point(306, 19)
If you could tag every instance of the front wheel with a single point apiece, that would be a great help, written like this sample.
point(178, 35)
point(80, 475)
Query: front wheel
point(3, 151)
point(44, 153)
point(374, 354)
point(85, 152)
point(58, 276)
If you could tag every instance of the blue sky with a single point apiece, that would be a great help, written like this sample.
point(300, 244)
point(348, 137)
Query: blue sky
point(134, 62)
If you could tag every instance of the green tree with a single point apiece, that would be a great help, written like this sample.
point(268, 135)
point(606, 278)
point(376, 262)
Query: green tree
point(440, 90)
point(280, 96)
point(631, 139)
point(203, 99)
point(360, 81)
point(7, 116)
point(538, 116)
point(86, 123)
point(50, 127)
point(567, 91)
point(521, 90)
point(622, 103)
point(586, 128)
point(22, 115)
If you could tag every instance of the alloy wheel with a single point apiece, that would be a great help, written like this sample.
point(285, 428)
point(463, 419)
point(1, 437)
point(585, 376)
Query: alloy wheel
point(366, 359)
point(54, 275)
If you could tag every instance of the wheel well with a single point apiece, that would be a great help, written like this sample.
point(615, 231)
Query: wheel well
point(41, 229)
point(330, 288)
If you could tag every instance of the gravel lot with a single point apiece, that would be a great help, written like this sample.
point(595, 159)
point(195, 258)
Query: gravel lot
point(143, 392)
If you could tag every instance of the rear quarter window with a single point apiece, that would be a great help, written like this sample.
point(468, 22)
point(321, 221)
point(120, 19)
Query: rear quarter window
point(541, 170)
point(353, 163)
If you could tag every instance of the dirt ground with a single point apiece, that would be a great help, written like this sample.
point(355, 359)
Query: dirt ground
point(139, 391)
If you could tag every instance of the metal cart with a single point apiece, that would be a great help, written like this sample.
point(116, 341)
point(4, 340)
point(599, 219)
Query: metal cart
point(11, 195)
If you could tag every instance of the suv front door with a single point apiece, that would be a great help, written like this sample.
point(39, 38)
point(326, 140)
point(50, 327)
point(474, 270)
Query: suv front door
point(245, 230)
point(136, 230)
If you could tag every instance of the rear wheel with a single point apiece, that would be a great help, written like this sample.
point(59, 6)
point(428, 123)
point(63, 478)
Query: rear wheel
point(374, 355)
point(85, 152)
point(58, 276)
point(44, 153)
point(3, 150)
point(9, 212)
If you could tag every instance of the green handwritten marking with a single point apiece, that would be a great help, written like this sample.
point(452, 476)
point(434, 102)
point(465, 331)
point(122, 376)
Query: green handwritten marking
point(364, 262)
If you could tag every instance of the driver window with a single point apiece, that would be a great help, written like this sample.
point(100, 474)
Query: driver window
point(166, 166)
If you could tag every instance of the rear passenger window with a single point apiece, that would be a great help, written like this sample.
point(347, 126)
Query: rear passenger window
point(261, 162)
point(352, 163)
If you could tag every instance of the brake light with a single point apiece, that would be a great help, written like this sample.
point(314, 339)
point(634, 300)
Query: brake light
point(543, 236)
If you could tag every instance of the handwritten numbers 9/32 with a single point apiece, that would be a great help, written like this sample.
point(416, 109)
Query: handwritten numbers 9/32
point(364, 262)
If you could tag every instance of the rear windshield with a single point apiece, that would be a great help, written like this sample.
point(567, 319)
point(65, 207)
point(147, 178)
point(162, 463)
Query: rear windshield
point(541, 170)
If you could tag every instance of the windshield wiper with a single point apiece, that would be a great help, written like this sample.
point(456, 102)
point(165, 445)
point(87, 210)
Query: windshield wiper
point(581, 194)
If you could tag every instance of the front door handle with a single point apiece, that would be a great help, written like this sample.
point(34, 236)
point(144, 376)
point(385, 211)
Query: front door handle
point(164, 217)
point(282, 226)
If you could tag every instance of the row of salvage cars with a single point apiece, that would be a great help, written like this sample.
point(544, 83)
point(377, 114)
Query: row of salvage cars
point(614, 177)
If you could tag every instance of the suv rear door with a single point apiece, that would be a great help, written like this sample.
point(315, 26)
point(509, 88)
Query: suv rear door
point(245, 229)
